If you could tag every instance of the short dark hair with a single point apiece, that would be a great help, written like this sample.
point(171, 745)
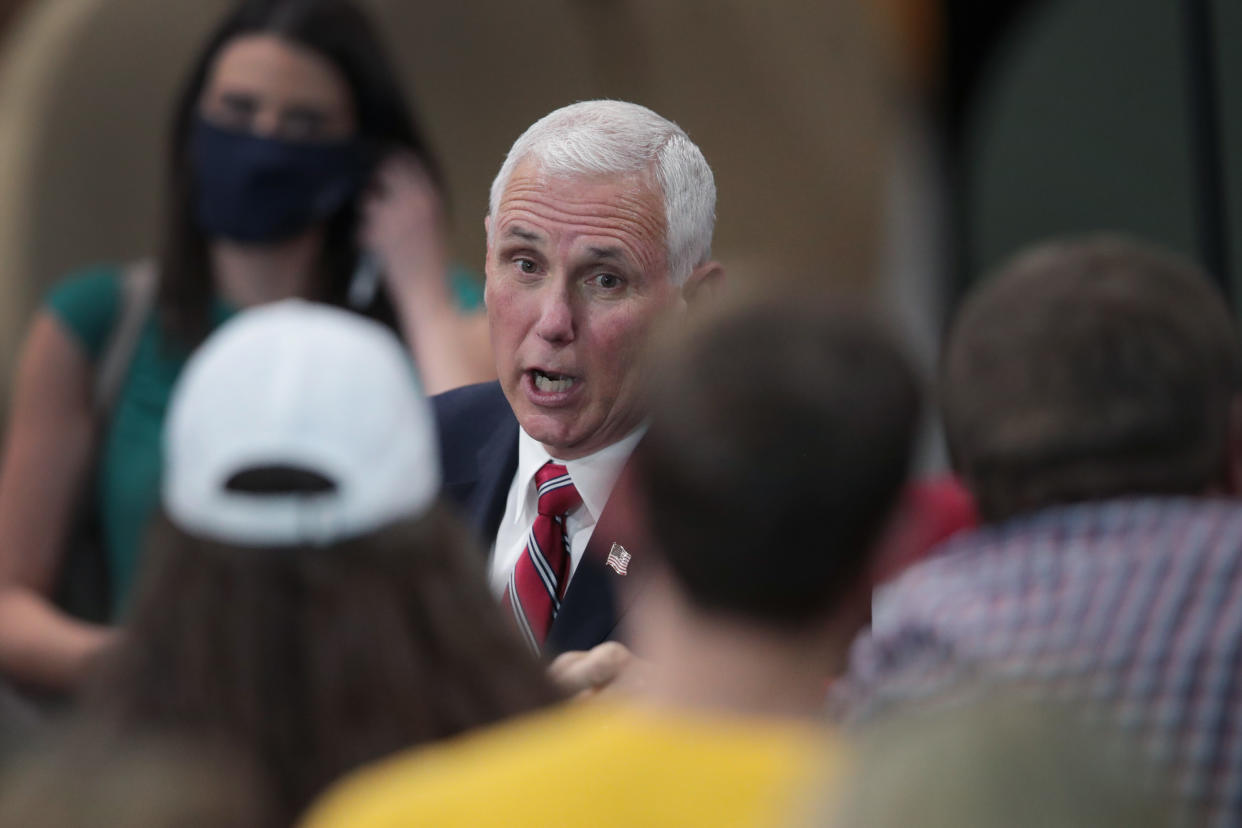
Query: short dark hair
point(1087, 369)
point(780, 438)
point(318, 658)
point(338, 32)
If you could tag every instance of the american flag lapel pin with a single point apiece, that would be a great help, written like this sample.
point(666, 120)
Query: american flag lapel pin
point(618, 559)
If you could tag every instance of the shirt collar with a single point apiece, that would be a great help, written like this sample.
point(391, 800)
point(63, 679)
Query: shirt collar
point(593, 475)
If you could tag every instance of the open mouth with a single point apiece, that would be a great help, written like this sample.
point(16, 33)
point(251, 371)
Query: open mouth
point(550, 382)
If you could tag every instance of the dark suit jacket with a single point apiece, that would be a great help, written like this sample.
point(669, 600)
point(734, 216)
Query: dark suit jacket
point(479, 455)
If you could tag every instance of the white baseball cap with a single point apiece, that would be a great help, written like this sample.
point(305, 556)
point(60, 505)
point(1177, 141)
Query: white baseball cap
point(304, 386)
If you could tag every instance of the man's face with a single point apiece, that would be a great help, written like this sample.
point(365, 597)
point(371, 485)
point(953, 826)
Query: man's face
point(577, 275)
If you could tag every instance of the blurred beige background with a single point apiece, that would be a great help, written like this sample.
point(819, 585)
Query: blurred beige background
point(787, 98)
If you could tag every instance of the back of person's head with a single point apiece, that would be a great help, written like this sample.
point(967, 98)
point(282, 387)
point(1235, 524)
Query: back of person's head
point(1090, 369)
point(594, 138)
point(307, 595)
point(88, 776)
point(779, 441)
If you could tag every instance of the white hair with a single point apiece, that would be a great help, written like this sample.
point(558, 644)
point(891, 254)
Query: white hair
point(616, 138)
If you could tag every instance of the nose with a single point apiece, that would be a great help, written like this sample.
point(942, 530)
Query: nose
point(556, 317)
point(266, 122)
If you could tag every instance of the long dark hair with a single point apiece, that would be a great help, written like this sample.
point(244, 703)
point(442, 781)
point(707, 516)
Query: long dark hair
point(318, 658)
point(337, 31)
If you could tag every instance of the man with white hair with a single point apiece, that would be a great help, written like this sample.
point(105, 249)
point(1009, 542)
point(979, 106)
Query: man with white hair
point(599, 225)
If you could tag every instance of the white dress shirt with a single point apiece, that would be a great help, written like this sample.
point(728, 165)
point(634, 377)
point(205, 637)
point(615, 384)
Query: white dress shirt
point(593, 477)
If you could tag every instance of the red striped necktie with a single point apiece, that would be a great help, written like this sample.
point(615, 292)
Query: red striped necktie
point(538, 580)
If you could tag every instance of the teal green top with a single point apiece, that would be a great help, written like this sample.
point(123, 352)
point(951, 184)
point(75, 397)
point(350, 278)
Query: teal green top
point(128, 471)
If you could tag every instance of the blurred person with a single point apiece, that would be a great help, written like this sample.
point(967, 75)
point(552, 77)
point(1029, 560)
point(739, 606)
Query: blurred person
point(599, 227)
point(988, 762)
point(932, 510)
point(308, 596)
point(88, 777)
point(778, 444)
point(1090, 394)
point(290, 109)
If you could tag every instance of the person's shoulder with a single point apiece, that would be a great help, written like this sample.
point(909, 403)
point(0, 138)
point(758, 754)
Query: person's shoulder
point(603, 763)
point(480, 398)
point(466, 419)
point(452, 783)
point(86, 303)
point(953, 565)
point(467, 414)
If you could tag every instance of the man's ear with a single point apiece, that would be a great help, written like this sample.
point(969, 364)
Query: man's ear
point(705, 281)
point(487, 230)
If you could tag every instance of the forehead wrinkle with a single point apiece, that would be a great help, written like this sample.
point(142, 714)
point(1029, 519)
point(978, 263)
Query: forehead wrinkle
point(635, 198)
point(629, 246)
point(607, 225)
point(627, 209)
point(629, 227)
point(629, 200)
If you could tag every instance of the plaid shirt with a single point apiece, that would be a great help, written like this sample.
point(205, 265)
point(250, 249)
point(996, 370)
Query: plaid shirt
point(1132, 604)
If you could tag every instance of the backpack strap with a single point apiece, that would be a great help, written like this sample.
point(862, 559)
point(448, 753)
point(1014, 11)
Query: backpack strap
point(82, 587)
point(137, 298)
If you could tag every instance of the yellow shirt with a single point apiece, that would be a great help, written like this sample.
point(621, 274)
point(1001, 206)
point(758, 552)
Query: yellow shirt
point(595, 764)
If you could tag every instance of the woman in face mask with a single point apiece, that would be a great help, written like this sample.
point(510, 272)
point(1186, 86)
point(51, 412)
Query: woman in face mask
point(297, 170)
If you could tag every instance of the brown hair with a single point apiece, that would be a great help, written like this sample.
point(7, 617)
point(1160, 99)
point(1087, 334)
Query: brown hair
point(780, 438)
point(1089, 369)
point(319, 658)
point(337, 31)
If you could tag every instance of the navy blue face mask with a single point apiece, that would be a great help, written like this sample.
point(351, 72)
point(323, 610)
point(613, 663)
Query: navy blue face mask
point(260, 190)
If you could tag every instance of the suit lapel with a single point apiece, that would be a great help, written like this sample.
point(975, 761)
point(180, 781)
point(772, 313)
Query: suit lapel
point(497, 463)
point(480, 486)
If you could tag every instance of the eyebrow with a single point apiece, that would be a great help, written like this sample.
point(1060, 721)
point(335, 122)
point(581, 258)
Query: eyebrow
point(238, 98)
point(304, 111)
point(524, 234)
point(609, 253)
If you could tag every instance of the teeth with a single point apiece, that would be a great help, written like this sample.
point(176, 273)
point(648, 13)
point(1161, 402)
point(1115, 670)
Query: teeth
point(545, 383)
